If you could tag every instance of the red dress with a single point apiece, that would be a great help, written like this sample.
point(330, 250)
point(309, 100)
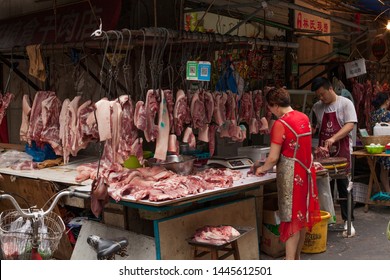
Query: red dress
point(297, 188)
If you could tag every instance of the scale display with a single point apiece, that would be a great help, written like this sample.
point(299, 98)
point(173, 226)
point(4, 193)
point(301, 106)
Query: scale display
point(232, 163)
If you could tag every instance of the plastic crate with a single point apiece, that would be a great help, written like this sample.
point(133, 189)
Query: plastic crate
point(382, 196)
point(359, 192)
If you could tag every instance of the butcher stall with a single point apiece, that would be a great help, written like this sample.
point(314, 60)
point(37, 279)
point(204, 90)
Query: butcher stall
point(111, 105)
point(170, 222)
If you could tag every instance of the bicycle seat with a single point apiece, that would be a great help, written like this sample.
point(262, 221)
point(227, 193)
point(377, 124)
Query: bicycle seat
point(108, 248)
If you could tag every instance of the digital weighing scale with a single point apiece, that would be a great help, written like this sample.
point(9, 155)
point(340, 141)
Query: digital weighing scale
point(231, 162)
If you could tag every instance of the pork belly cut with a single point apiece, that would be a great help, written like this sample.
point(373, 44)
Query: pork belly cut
point(198, 111)
point(246, 108)
point(140, 115)
point(136, 150)
point(208, 101)
point(216, 235)
point(170, 106)
point(64, 131)
point(85, 133)
point(5, 100)
point(231, 106)
point(181, 112)
point(219, 108)
point(163, 130)
point(195, 184)
point(264, 127)
point(51, 108)
point(24, 165)
point(99, 196)
point(257, 103)
point(203, 133)
point(254, 126)
point(129, 134)
point(173, 144)
point(151, 106)
point(36, 125)
point(26, 110)
point(231, 130)
point(189, 137)
point(103, 116)
point(221, 178)
point(212, 131)
point(155, 173)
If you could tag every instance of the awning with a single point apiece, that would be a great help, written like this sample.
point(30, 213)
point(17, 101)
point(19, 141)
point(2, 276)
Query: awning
point(71, 23)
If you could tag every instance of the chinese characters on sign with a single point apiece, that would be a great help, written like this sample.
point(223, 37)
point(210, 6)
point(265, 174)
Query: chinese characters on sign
point(307, 22)
point(355, 68)
point(311, 23)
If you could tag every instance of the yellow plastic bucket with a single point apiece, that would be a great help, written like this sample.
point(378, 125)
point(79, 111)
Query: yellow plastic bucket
point(315, 240)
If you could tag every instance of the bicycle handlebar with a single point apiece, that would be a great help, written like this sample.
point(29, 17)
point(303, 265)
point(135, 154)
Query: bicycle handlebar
point(42, 213)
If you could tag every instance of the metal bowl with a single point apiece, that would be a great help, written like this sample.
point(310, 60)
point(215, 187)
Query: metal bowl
point(180, 164)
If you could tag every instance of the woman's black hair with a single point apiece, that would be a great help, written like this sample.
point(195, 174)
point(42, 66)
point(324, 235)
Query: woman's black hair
point(278, 96)
point(380, 99)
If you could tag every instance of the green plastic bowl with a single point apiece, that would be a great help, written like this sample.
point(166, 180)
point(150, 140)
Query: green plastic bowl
point(132, 162)
point(374, 149)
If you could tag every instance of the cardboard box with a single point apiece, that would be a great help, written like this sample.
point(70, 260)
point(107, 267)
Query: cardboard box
point(271, 211)
point(271, 217)
point(271, 245)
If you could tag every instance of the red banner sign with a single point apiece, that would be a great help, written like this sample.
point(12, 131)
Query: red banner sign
point(311, 23)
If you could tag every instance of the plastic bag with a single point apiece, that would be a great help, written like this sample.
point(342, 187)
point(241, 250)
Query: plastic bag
point(40, 153)
point(18, 231)
point(12, 157)
point(44, 246)
point(325, 197)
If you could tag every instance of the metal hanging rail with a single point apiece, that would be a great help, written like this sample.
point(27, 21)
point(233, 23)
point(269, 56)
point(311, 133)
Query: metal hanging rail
point(146, 36)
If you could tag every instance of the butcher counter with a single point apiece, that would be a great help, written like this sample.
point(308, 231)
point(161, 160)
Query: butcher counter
point(170, 222)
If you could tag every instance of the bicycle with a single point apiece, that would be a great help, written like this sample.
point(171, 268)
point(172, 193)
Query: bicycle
point(32, 234)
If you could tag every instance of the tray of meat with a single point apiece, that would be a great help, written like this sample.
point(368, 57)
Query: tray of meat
point(217, 235)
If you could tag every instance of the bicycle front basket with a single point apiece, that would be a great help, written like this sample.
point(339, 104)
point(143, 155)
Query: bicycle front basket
point(17, 243)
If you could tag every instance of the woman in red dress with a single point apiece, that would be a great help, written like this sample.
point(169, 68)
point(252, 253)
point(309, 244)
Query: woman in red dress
point(290, 150)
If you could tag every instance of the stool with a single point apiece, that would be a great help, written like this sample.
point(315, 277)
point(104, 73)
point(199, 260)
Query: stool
point(230, 248)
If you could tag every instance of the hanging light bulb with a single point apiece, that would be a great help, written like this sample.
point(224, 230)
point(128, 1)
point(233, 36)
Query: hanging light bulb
point(388, 25)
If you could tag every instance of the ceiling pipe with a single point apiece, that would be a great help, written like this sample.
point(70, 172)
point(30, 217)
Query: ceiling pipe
point(246, 19)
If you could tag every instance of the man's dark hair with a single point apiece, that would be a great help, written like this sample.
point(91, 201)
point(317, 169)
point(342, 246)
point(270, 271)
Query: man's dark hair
point(320, 82)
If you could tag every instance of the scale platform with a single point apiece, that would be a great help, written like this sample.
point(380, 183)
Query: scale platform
point(230, 162)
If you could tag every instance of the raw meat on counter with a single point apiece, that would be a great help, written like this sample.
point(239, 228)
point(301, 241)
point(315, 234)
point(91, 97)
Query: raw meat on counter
point(153, 183)
point(215, 235)
point(321, 152)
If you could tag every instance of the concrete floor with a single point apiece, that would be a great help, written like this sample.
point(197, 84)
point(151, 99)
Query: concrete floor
point(369, 243)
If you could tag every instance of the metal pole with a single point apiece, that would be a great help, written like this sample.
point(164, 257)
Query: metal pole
point(349, 222)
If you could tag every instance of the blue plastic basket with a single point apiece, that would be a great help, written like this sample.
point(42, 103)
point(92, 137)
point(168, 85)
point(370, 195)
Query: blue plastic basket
point(381, 196)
